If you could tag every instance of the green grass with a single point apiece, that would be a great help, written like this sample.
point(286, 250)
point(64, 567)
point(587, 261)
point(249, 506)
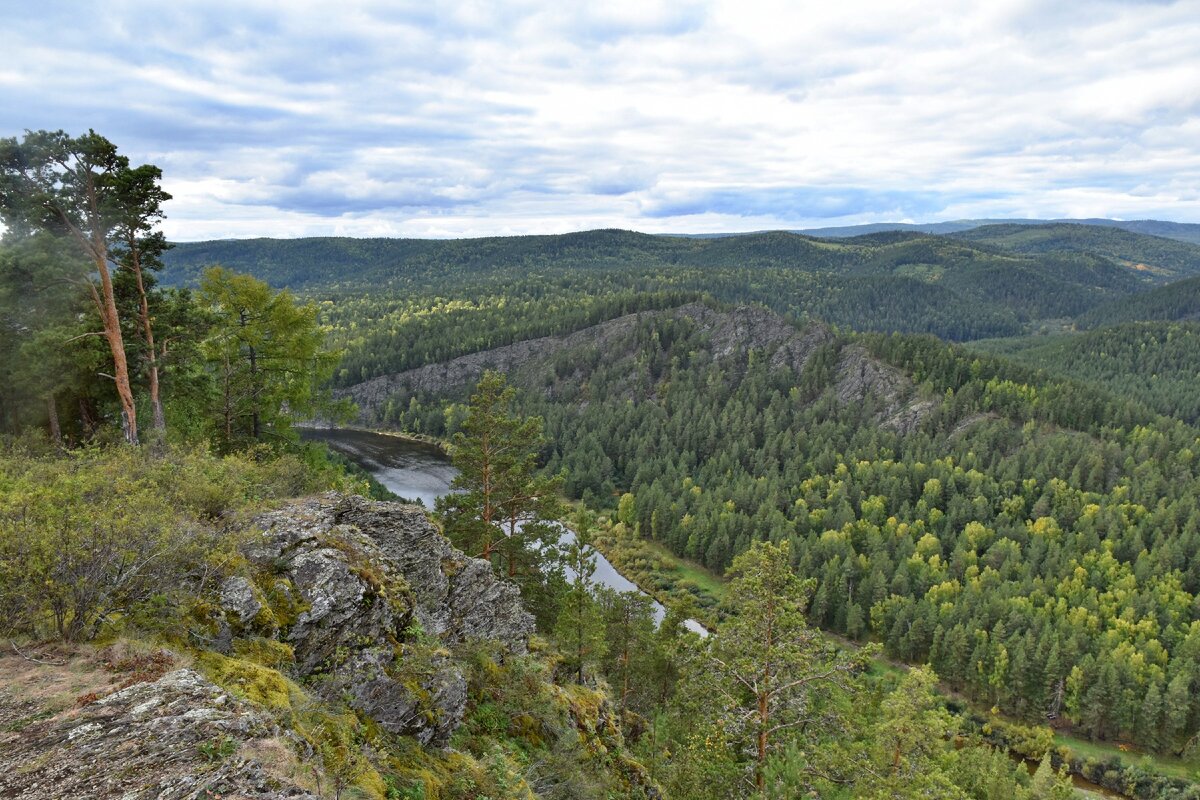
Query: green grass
point(1164, 765)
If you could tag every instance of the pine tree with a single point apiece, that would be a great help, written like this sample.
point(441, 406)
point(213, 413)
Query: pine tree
point(580, 627)
point(501, 506)
point(629, 651)
point(82, 190)
point(767, 665)
point(1150, 718)
point(1178, 703)
point(1048, 784)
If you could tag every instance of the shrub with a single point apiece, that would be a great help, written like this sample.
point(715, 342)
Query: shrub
point(118, 535)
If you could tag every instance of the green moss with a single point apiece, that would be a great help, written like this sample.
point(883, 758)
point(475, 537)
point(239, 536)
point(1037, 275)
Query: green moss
point(281, 599)
point(253, 682)
point(270, 653)
point(370, 783)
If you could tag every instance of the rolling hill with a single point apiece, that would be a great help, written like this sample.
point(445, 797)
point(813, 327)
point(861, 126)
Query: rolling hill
point(511, 288)
point(1155, 363)
point(1175, 301)
point(1181, 231)
point(1160, 260)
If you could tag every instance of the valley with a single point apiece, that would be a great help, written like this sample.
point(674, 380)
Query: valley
point(700, 400)
point(952, 491)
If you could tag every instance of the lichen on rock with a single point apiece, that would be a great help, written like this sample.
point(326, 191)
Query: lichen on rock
point(180, 736)
point(366, 575)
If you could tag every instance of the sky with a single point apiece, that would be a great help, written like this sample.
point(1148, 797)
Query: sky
point(432, 119)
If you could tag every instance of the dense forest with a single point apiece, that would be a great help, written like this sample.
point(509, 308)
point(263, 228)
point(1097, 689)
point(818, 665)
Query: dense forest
point(1155, 363)
point(774, 408)
point(1031, 538)
point(1174, 302)
point(1166, 259)
point(397, 304)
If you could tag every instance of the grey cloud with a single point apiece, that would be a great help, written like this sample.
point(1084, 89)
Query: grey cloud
point(518, 116)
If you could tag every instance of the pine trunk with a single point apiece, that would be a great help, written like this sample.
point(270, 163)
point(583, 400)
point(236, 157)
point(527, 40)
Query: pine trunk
point(55, 430)
point(159, 422)
point(116, 344)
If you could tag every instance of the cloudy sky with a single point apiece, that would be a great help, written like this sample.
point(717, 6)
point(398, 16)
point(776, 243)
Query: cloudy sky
point(296, 118)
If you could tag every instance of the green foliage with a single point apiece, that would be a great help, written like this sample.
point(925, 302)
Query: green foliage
point(1151, 255)
point(84, 194)
point(770, 672)
point(217, 749)
point(1155, 363)
point(266, 354)
point(1056, 517)
point(630, 655)
point(398, 304)
point(91, 537)
point(1176, 301)
point(579, 629)
point(503, 509)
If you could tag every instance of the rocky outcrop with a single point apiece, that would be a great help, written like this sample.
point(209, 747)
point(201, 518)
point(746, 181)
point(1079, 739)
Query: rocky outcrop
point(858, 374)
point(467, 370)
point(178, 737)
point(369, 596)
point(743, 328)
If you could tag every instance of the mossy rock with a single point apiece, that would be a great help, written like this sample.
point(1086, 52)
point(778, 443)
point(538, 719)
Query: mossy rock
point(270, 653)
point(281, 600)
point(251, 681)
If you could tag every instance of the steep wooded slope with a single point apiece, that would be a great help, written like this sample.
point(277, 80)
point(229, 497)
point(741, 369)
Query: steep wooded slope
point(929, 491)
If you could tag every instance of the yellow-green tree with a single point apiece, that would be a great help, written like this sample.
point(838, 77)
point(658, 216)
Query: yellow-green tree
point(265, 351)
point(768, 667)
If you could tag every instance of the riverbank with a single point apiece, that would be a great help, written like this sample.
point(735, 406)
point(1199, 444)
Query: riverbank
point(422, 438)
point(671, 579)
point(649, 566)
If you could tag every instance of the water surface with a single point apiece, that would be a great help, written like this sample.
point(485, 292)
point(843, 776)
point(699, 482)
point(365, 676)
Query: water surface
point(419, 471)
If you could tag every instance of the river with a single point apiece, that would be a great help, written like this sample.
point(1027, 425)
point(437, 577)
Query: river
point(420, 471)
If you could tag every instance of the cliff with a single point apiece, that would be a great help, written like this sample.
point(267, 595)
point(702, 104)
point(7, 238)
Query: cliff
point(345, 647)
point(730, 334)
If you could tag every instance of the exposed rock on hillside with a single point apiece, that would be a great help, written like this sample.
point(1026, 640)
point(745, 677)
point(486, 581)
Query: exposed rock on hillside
point(351, 585)
point(727, 334)
point(330, 652)
point(176, 737)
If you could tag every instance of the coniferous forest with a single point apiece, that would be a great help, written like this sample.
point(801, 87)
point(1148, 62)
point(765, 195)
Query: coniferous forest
point(937, 498)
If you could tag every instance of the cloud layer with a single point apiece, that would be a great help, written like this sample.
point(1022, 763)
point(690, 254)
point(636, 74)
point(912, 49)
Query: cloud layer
point(430, 119)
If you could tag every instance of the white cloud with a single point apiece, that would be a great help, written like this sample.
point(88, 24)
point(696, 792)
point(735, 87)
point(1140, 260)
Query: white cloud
point(290, 119)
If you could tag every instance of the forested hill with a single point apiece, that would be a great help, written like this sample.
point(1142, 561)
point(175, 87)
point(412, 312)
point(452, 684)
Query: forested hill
point(395, 304)
point(1160, 258)
point(1177, 301)
point(1156, 363)
point(1032, 538)
point(556, 364)
point(1182, 231)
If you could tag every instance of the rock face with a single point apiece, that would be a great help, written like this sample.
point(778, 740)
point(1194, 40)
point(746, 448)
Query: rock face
point(858, 375)
point(742, 328)
point(177, 737)
point(378, 594)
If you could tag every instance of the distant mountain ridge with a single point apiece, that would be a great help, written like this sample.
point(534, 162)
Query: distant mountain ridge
point(1181, 231)
point(986, 282)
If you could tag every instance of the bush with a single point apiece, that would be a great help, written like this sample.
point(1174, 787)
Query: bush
point(118, 535)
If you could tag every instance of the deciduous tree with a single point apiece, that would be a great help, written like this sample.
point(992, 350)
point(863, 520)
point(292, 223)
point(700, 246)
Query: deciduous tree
point(265, 349)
